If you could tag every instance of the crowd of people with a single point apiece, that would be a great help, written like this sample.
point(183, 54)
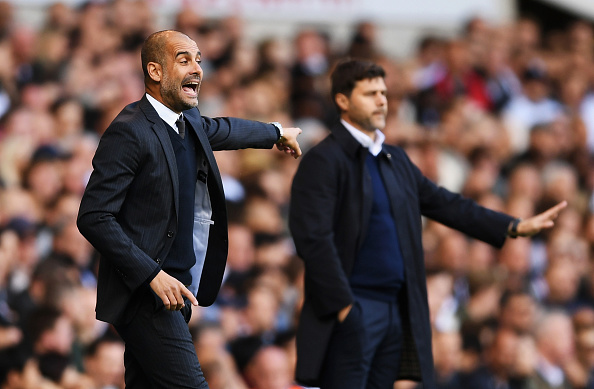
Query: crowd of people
point(502, 113)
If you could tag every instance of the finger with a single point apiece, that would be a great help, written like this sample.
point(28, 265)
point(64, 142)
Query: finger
point(297, 149)
point(179, 298)
point(548, 224)
point(166, 303)
point(186, 292)
point(172, 306)
point(554, 211)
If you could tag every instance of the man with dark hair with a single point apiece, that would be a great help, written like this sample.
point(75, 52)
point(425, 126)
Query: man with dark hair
point(356, 207)
point(103, 362)
point(155, 210)
point(50, 331)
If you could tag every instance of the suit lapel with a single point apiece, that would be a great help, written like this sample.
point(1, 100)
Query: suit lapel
point(158, 126)
point(367, 195)
point(357, 152)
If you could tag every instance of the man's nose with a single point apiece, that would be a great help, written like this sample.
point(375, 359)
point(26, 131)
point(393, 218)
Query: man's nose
point(197, 69)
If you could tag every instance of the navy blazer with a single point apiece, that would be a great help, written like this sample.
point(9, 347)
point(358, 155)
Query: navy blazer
point(129, 209)
point(331, 202)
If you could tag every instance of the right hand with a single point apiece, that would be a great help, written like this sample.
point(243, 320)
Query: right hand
point(171, 291)
point(288, 143)
point(344, 312)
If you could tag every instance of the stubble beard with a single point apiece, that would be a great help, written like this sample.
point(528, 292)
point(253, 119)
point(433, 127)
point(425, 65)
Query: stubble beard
point(372, 123)
point(173, 95)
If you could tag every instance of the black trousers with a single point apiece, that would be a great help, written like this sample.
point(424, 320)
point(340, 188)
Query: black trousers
point(365, 349)
point(159, 348)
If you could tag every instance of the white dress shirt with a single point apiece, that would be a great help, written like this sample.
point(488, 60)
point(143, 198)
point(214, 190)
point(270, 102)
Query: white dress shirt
point(374, 146)
point(168, 116)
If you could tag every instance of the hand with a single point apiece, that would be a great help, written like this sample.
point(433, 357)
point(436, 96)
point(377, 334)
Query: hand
point(288, 142)
point(171, 291)
point(344, 312)
point(533, 225)
point(9, 336)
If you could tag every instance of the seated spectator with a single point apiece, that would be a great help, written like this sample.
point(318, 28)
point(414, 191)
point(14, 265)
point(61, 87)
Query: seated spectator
point(500, 367)
point(59, 369)
point(104, 362)
point(269, 369)
point(534, 106)
point(518, 312)
point(555, 344)
point(50, 331)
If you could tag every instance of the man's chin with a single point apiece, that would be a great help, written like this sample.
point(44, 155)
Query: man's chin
point(379, 124)
point(189, 104)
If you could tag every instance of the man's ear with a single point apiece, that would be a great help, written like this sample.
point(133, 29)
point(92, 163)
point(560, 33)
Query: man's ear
point(155, 71)
point(342, 101)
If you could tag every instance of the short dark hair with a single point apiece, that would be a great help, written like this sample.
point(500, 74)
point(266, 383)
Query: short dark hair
point(349, 71)
point(42, 319)
point(107, 338)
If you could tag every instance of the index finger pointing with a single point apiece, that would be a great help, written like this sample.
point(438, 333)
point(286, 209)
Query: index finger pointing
point(186, 292)
point(556, 208)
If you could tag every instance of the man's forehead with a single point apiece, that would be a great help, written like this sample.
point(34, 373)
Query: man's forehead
point(371, 83)
point(182, 43)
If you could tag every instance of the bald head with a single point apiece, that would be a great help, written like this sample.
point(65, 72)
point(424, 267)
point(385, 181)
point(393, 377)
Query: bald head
point(172, 72)
point(154, 49)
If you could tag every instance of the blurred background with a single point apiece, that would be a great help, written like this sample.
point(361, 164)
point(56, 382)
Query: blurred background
point(493, 99)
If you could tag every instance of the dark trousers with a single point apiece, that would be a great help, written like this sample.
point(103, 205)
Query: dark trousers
point(159, 348)
point(365, 349)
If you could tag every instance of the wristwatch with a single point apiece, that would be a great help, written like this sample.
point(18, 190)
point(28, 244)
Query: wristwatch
point(513, 229)
point(279, 129)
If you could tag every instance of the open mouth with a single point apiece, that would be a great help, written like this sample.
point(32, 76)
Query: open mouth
point(191, 88)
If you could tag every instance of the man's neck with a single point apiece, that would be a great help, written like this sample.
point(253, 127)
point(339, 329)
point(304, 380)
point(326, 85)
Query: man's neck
point(370, 134)
point(157, 96)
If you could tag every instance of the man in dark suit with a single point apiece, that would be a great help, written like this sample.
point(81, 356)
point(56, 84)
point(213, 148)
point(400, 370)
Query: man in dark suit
point(154, 208)
point(355, 217)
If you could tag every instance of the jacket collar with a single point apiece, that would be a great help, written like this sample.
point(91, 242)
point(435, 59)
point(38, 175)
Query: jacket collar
point(349, 144)
point(148, 109)
point(159, 127)
point(344, 138)
point(164, 112)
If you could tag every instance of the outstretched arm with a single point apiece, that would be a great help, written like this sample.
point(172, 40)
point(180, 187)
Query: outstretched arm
point(535, 224)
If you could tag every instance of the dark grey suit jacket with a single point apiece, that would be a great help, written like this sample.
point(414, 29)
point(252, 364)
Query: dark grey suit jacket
point(129, 209)
point(331, 202)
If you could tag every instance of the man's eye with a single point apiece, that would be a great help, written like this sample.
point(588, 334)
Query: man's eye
point(184, 62)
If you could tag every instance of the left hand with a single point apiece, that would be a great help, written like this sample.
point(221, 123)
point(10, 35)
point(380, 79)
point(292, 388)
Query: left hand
point(533, 225)
point(288, 142)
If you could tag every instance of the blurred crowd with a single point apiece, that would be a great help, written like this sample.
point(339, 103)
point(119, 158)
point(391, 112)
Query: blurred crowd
point(502, 113)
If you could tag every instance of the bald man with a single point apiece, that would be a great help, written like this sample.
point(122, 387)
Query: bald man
point(154, 208)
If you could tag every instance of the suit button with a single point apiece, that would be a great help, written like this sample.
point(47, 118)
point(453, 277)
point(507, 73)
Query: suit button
point(170, 234)
point(158, 260)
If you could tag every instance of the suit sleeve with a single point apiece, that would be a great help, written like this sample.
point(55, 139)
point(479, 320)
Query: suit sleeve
point(314, 196)
point(459, 212)
point(116, 162)
point(232, 133)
